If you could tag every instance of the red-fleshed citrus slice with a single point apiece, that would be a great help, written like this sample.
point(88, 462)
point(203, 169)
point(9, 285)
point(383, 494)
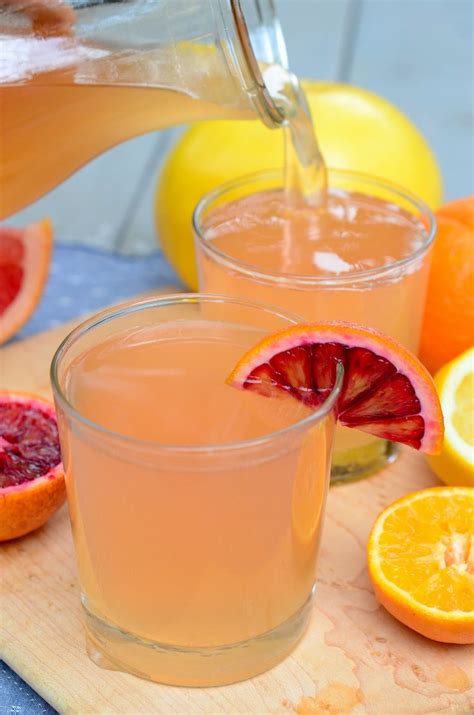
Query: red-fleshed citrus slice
point(24, 262)
point(31, 474)
point(386, 390)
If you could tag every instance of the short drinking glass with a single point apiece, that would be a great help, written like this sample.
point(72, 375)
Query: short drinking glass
point(196, 508)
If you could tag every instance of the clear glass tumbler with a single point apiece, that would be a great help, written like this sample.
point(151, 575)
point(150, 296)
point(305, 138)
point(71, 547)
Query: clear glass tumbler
point(390, 297)
point(196, 549)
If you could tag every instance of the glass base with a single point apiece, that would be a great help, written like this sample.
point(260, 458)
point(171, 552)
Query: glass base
point(348, 465)
point(114, 649)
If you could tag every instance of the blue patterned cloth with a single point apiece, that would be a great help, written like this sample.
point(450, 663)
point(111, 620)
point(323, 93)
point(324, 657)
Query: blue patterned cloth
point(81, 281)
point(17, 698)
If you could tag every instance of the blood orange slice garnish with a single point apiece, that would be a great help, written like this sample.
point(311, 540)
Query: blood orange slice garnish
point(386, 390)
point(31, 474)
point(24, 262)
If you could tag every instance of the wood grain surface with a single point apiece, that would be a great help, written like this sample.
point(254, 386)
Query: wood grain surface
point(355, 657)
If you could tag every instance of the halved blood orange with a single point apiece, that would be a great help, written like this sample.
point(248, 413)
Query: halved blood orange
point(31, 474)
point(24, 262)
point(386, 390)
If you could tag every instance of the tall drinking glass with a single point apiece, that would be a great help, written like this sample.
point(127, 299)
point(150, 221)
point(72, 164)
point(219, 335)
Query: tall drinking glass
point(196, 508)
point(345, 263)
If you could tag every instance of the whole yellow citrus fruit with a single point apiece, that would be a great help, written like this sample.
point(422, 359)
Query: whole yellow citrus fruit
point(357, 130)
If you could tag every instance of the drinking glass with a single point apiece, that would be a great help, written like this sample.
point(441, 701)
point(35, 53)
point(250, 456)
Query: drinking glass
point(197, 558)
point(390, 297)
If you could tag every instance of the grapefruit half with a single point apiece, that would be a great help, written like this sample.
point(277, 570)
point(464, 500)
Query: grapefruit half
point(24, 261)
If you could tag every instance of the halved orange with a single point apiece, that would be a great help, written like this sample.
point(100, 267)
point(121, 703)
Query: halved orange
point(421, 562)
point(32, 482)
point(24, 262)
point(386, 390)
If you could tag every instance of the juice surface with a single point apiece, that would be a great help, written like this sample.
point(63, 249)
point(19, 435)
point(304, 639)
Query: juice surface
point(167, 385)
point(348, 234)
point(190, 550)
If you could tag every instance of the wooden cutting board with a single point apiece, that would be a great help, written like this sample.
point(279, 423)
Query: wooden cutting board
point(355, 658)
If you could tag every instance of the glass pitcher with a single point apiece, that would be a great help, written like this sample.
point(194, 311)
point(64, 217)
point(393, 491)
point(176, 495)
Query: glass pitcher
point(77, 78)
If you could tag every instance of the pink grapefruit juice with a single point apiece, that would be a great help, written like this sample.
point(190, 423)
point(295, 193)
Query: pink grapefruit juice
point(335, 261)
point(115, 114)
point(190, 547)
